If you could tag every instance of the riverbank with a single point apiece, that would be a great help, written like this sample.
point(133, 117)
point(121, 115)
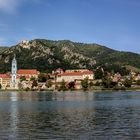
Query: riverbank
point(99, 89)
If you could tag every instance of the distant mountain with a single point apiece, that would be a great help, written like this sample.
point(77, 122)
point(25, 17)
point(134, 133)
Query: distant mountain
point(49, 55)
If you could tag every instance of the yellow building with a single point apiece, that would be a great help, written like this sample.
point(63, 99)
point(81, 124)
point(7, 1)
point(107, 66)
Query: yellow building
point(5, 80)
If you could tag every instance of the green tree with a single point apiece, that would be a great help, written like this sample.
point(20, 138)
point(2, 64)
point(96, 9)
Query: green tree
point(97, 83)
point(108, 83)
point(138, 82)
point(42, 77)
point(63, 85)
point(71, 85)
point(22, 78)
point(114, 68)
point(127, 82)
point(49, 83)
point(34, 84)
point(98, 73)
point(32, 78)
point(85, 84)
point(91, 84)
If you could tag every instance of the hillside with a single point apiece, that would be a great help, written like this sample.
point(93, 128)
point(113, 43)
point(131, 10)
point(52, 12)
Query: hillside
point(2, 49)
point(49, 55)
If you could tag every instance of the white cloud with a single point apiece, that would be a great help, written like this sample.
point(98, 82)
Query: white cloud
point(9, 5)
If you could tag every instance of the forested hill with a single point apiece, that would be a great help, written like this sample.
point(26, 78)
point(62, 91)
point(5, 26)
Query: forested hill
point(48, 55)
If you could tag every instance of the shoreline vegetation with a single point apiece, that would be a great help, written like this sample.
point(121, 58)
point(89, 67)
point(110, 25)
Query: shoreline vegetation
point(101, 82)
point(75, 90)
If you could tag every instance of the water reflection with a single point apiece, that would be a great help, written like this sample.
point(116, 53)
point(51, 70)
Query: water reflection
point(70, 115)
point(13, 115)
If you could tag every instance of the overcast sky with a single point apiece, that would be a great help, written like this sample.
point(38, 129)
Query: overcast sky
point(113, 23)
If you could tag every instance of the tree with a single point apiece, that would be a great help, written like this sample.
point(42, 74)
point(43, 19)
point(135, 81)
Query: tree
point(32, 78)
point(108, 83)
point(127, 82)
point(22, 78)
point(138, 82)
point(71, 85)
point(49, 83)
point(91, 84)
point(42, 77)
point(63, 85)
point(98, 73)
point(20, 85)
point(114, 68)
point(85, 84)
point(34, 84)
point(97, 83)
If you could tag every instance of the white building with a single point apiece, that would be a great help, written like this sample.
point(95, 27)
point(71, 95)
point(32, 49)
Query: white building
point(14, 83)
point(70, 76)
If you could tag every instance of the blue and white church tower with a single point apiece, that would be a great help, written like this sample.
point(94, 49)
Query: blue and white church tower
point(14, 73)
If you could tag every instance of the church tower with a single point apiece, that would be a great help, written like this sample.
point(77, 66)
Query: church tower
point(14, 73)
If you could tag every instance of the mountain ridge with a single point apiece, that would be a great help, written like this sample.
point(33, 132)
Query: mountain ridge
point(45, 55)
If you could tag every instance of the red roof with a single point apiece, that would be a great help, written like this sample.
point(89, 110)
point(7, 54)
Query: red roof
point(4, 76)
point(26, 76)
point(76, 73)
point(28, 71)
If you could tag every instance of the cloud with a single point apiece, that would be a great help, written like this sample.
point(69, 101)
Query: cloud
point(9, 5)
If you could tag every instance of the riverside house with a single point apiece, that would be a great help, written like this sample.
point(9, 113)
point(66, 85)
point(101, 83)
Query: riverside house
point(5, 80)
point(75, 76)
point(28, 73)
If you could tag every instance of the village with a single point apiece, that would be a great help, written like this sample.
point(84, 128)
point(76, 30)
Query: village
point(77, 79)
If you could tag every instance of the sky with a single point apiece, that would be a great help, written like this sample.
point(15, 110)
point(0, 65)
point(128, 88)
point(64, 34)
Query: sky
point(112, 23)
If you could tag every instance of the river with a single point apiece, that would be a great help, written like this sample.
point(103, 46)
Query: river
point(70, 115)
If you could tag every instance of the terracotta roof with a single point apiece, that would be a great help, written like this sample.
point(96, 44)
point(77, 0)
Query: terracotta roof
point(4, 76)
point(76, 73)
point(26, 76)
point(27, 71)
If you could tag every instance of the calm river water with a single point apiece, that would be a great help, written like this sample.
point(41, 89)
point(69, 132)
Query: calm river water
point(70, 115)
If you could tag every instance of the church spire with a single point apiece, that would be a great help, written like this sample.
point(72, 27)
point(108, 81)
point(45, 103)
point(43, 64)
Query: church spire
point(14, 72)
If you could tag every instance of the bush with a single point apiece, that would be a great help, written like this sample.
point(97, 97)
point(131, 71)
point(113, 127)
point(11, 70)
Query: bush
point(22, 78)
point(27, 89)
point(91, 84)
point(34, 84)
point(127, 83)
point(98, 73)
point(85, 84)
point(108, 83)
point(42, 77)
point(71, 85)
point(63, 85)
point(48, 83)
point(138, 82)
point(97, 83)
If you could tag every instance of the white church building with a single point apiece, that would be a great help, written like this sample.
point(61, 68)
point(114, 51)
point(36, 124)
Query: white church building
point(14, 82)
